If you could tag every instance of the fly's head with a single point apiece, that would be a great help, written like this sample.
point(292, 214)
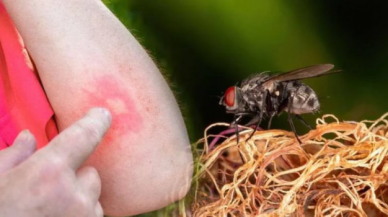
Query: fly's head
point(232, 100)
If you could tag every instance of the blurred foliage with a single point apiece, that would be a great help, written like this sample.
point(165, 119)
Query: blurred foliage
point(205, 46)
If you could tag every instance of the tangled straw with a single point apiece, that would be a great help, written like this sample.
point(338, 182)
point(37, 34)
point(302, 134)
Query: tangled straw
point(341, 169)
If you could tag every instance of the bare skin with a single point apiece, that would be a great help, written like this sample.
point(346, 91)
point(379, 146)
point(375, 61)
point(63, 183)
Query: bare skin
point(47, 182)
point(86, 58)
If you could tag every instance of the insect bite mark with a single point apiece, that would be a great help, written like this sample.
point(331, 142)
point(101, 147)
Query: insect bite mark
point(110, 93)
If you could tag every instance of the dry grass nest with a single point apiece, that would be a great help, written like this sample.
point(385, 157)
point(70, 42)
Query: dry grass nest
point(340, 169)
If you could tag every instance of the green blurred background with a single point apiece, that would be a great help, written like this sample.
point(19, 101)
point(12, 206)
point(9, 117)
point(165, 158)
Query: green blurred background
point(205, 46)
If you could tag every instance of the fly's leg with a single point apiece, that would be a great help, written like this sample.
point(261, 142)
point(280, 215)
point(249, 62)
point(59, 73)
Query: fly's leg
point(237, 119)
point(253, 121)
point(293, 127)
point(289, 118)
point(257, 125)
point(271, 108)
point(260, 116)
point(270, 120)
point(303, 121)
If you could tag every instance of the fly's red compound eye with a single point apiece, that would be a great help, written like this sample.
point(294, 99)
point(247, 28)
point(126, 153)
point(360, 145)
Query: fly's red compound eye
point(230, 96)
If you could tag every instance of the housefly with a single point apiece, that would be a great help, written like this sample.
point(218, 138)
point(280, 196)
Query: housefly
point(264, 96)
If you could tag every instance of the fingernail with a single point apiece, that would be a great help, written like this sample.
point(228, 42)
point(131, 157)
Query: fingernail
point(23, 137)
point(106, 113)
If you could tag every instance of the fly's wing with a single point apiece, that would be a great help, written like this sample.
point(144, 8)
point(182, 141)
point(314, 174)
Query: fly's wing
point(298, 74)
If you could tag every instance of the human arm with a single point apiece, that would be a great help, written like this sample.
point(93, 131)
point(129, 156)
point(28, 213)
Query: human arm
point(85, 57)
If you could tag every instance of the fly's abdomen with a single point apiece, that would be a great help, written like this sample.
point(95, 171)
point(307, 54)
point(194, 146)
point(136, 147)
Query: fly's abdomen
point(303, 99)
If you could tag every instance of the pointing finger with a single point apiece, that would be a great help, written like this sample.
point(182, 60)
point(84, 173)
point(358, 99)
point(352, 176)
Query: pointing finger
point(74, 145)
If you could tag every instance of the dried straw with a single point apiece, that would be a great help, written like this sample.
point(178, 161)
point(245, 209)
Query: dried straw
point(339, 170)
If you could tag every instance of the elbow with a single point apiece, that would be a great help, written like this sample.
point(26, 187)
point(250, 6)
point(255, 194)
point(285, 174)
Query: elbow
point(184, 173)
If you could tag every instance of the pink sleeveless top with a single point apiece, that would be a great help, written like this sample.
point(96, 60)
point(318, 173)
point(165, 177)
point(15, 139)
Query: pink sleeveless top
point(23, 102)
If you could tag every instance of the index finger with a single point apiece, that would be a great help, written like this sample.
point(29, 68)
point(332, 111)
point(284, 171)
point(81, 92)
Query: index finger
point(76, 143)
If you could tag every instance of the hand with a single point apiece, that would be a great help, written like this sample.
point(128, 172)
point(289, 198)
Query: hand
point(47, 183)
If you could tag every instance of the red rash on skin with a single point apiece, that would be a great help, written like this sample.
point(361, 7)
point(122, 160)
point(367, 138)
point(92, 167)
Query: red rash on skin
point(109, 93)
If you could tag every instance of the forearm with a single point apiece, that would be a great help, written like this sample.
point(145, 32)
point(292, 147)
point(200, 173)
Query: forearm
point(75, 44)
point(85, 57)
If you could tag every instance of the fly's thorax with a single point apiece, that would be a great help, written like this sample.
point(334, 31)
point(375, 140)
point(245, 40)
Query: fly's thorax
point(253, 98)
point(254, 81)
point(303, 99)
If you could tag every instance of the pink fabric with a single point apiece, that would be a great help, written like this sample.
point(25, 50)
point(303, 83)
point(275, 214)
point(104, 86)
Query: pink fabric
point(23, 103)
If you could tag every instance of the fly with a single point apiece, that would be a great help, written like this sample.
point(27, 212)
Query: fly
point(263, 96)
